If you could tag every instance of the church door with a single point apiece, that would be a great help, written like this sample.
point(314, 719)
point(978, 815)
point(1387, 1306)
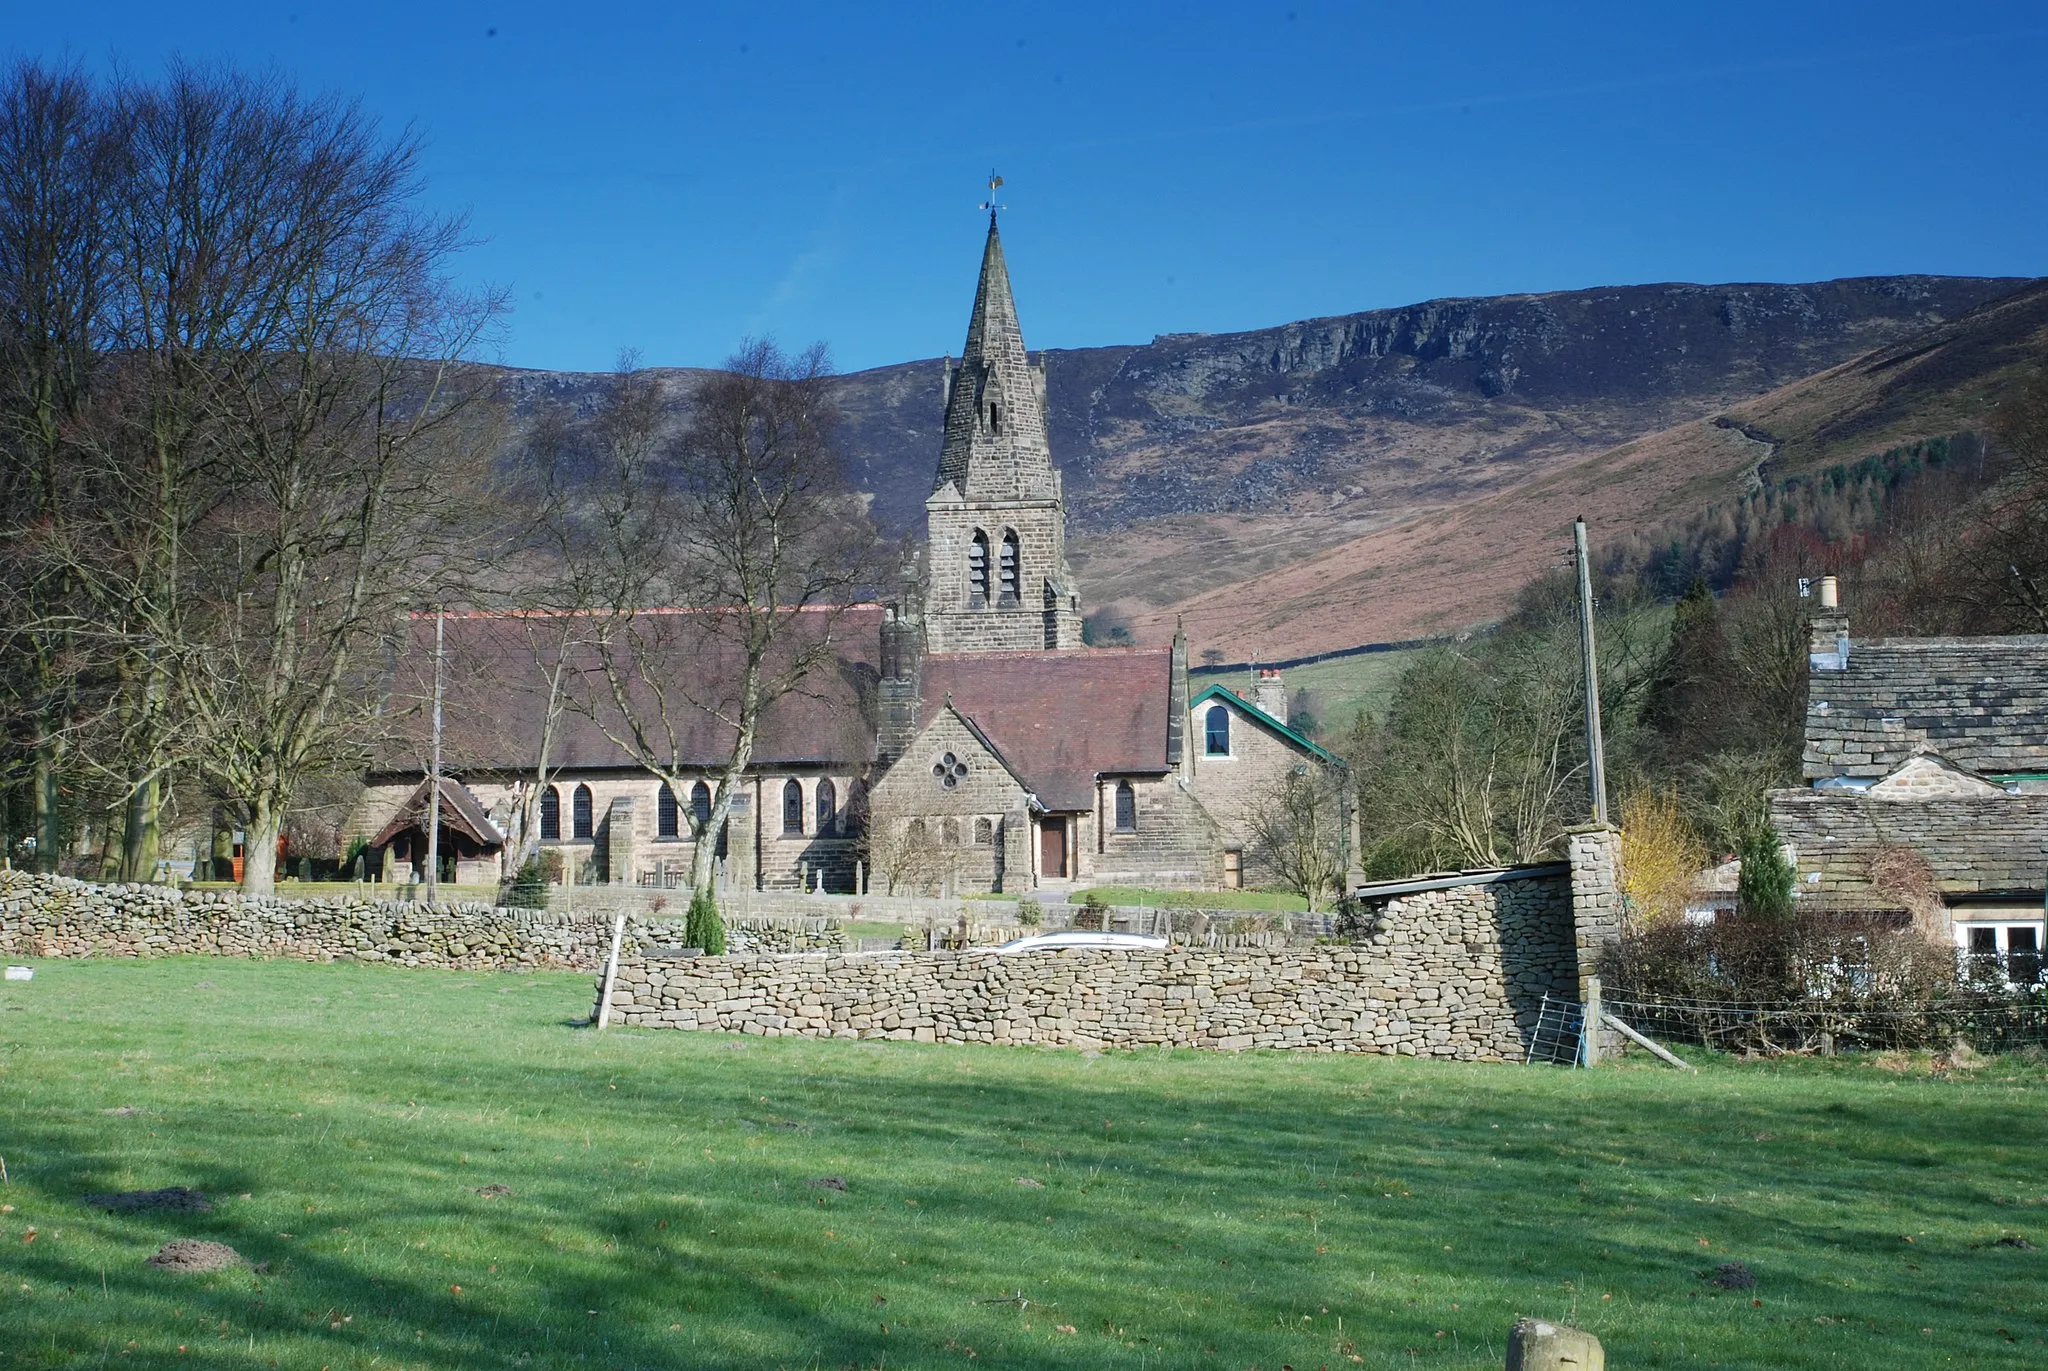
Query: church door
point(1052, 850)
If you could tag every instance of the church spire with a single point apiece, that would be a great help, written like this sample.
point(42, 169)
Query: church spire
point(996, 537)
point(995, 445)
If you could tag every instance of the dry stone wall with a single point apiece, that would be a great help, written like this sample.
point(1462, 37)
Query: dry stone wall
point(54, 916)
point(1457, 973)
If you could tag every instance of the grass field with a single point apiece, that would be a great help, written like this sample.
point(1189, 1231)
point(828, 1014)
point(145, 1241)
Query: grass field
point(1186, 1209)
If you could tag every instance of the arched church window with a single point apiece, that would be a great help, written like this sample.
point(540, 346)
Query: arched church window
point(700, 805)
point(1216, 734)
point(977, 570)
point(952, 832)
point(1011, 575)
point(551, 814)
point(792, 807)
point(1126, 808)
point(580, 813)
point(666, 818)
point(984, 832)
point(827, 805)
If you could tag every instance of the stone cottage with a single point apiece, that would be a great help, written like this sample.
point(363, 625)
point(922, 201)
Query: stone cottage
point(1926, 764)
point(963, 739)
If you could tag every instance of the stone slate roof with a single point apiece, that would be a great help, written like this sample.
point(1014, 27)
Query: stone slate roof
point(1061, 718)
point(1994, 844)
point(1981, 703)
point(496, 697)
point(460, 810)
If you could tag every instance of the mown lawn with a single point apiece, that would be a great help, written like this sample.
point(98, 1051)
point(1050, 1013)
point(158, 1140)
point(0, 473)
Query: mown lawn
point(1189, 1210)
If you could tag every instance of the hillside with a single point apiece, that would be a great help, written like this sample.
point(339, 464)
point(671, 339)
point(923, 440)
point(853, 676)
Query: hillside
point(1378, 475)
point(1460, 564)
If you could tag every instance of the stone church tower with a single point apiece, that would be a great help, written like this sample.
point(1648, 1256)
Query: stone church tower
point(996, 540)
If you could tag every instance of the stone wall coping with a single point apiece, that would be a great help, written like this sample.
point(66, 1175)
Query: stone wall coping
point(1491, 875)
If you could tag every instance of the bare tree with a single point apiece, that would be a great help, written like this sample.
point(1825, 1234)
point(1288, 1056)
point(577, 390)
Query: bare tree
point(58, 165)
point(735, 548)
point(1298, 829)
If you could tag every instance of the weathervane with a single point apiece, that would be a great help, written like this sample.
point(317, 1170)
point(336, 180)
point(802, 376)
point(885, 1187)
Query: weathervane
point(995, 183)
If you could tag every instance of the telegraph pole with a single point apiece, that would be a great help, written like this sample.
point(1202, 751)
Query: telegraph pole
point(434, 776)
point(1596, 752)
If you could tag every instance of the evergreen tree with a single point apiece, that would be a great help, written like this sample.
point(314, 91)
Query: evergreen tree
point(1688, 709)
point(703, 926)
point(1764, 889)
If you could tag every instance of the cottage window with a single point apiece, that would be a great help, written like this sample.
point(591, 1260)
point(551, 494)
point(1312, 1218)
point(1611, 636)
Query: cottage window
point(1011, 577)
point(2022, 956)
point(1126, 808)
point(700, 805)
point(551, 814)
point(984, 833)
point(1216, 735)
point(792, 808)
point(666, 819)
point(580, 823)
point(977, 570)
point(827, 804)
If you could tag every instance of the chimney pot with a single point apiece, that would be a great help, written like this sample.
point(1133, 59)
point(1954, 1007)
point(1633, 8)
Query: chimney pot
point(1830, 593)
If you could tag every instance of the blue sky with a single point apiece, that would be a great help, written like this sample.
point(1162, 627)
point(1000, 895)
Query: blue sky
point(674, 177)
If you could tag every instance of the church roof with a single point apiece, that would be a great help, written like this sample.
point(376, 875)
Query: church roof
point(1061, 718)
point(496, 695)
point(1982, 703)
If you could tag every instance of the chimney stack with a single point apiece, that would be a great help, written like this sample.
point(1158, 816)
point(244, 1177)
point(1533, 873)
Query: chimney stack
point(1270, 694)
point(1827, 644)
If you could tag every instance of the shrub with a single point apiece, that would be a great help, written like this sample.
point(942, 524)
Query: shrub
point(1030, 913)
point(529, 889)
point(703, 927)
point(1660, 856)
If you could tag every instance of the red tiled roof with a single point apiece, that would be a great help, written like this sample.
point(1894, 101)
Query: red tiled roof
point(496, 695)
point(1061, 718)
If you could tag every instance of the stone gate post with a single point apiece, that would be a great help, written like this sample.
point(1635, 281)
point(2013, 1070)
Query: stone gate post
point(1595, 855)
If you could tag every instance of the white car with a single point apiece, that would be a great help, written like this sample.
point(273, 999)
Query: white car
point(1087, 941)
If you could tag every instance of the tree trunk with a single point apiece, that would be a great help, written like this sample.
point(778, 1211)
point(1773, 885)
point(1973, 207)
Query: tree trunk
point(49, 821)
point(141, 834)
point(259, 848)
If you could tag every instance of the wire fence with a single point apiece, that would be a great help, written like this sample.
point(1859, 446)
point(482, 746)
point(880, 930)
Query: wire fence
point(1988, 1020)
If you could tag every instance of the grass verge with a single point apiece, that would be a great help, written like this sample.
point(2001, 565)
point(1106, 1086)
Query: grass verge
point(1154, 1209)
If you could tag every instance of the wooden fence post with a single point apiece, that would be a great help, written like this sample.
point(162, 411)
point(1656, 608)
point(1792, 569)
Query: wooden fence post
point(611, 973)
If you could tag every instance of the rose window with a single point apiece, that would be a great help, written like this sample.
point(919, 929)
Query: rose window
point(949, 770)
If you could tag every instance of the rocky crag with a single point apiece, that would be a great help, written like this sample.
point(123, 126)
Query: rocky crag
point(1267, 483)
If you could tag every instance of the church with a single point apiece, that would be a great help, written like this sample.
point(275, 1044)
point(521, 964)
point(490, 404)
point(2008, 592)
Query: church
point(969, 740)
